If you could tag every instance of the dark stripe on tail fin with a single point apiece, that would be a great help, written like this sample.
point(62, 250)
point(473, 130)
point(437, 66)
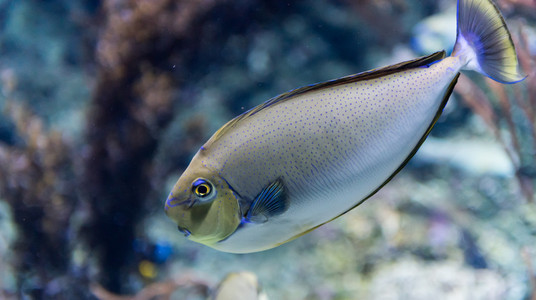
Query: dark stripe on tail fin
point(484, 39)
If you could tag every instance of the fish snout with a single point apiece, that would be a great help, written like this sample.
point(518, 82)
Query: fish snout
point(176, 207)
point(176, 201)
point(184, 231)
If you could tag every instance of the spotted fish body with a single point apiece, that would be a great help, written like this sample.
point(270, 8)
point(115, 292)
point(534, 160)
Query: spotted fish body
point(329, 146)
point(308, 156)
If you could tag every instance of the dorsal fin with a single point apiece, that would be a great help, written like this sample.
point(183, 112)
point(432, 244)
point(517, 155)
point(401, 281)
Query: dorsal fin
point(371, 74)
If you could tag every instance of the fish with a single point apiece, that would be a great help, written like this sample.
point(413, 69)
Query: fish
point(242, 285)
point(308, 156)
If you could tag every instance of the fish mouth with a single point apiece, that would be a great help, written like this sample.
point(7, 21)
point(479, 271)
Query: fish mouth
point(184, 231)
point(174, 202)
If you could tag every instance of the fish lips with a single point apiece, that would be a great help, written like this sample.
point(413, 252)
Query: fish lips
point(174, 202)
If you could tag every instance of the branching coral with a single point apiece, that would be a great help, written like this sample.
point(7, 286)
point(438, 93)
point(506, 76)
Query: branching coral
point(159, 290)
point(131, 104)
point(36, 178)
point(526, 254)
point(513, 121)
point(145, 51)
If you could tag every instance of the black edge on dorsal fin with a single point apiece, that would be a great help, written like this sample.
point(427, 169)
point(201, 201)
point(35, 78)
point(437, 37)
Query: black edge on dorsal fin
point(371, 74)
point(271, 201)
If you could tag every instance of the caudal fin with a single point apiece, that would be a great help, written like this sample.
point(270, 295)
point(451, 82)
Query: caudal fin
point(485, 42)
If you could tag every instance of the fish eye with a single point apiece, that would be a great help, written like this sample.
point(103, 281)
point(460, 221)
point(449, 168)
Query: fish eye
point(201, 188)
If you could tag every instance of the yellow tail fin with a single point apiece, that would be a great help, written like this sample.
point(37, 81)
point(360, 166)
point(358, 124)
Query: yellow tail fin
point(485, 42)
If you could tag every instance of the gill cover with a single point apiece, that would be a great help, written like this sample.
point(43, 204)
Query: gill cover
point(203, 206)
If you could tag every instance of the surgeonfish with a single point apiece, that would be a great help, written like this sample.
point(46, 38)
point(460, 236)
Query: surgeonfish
point(239, 286)
point(308, 156)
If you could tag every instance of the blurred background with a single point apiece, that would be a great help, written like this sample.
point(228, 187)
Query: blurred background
point(104, 102)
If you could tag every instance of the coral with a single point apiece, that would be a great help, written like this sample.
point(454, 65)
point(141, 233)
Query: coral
point(44, 177)
point(165, 74)
point(36, 179)
point(524, 7)
point(513, 119)
point(388, 20)
point(160, 290)
point(132, 103)
point(527, 257)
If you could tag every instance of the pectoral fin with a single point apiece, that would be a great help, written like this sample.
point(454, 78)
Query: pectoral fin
point(271, 201)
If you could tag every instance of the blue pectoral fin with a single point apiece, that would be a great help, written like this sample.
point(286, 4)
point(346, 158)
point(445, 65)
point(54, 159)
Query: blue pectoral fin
point(271, 201)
